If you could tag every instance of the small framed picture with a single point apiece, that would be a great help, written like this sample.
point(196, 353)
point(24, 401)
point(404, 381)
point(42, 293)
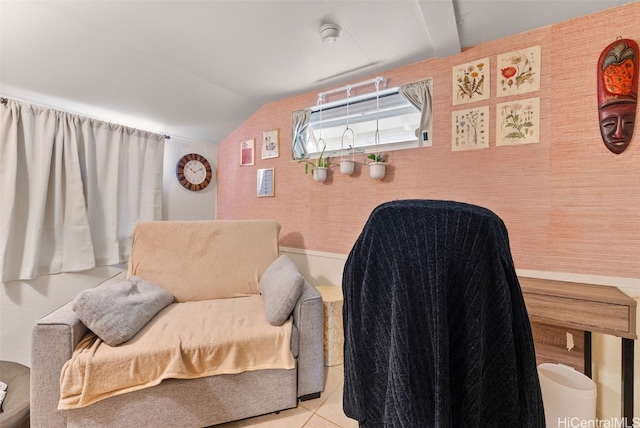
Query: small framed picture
point(266, 182)
point(247, 150)
point(270, 144)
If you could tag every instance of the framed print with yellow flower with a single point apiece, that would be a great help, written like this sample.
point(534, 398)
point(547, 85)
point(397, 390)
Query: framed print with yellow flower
point(470, 129)
point(518, 122)
point(518, 72)
point(471, 82)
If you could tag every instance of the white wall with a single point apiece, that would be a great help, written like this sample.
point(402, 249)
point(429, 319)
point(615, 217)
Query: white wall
point(180, 203)
point(318, 267)
point(23, 302)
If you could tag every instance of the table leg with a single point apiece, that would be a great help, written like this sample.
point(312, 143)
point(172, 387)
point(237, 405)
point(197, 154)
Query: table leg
point(588, 366)
point(627, 379)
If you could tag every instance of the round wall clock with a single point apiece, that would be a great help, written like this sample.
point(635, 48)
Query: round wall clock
point(194, 172)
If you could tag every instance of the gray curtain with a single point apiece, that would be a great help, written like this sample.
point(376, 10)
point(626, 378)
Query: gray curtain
point(300, 122)
point(419, 94)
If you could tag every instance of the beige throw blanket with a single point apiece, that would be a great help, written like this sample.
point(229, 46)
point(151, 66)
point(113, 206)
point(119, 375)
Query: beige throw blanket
point(185, 340)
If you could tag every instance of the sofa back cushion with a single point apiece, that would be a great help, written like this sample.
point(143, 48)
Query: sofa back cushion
point(201, 260)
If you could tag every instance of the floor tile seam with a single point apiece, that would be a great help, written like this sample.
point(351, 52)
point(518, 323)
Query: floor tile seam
point(323, 418)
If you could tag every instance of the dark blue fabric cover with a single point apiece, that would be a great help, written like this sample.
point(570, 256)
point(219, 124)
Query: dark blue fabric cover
point(436, 330)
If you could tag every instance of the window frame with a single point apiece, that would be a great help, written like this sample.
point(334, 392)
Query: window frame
point(402, 141)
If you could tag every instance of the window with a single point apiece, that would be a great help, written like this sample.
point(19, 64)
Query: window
point(397, 123)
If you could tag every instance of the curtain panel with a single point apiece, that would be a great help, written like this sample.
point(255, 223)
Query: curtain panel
point(419, 94)
point(300, 123)
point(72, 190)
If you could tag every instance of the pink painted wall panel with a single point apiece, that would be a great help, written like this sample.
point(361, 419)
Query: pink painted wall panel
point(570, 205)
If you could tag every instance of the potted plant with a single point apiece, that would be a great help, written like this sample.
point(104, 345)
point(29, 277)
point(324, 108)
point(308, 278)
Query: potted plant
point(377, 166)
point(347, 166)
point(319, 167)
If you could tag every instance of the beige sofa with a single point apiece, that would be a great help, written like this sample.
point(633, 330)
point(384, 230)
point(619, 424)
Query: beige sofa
point(220, 266)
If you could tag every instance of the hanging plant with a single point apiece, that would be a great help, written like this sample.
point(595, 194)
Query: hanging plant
point(377, 168)
point(321, 162)
point(347, 166)
point(318, 166)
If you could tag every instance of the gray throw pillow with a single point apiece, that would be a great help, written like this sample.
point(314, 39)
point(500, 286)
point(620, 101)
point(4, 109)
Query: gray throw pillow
point(281, 286)
point(115, 313)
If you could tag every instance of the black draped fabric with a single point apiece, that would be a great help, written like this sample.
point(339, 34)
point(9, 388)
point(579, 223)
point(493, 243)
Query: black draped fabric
point(436, 330)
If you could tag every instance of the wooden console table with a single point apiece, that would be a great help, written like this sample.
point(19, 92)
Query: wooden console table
point(590, 308)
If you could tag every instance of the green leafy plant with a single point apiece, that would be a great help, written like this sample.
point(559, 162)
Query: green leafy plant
point(376, 157)
point(322, 162)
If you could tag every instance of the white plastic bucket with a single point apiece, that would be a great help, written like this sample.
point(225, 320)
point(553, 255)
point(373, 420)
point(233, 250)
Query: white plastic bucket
point(568, 396)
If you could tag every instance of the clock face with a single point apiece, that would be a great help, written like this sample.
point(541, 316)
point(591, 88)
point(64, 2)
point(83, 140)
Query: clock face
point(194, 172)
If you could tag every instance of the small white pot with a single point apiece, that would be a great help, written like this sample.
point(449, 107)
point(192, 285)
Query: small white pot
point(347, 166)
point(319, 173)
point(377, 170)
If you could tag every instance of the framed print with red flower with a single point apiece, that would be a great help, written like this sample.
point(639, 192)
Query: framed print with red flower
point(518, 72)
point(471, 82)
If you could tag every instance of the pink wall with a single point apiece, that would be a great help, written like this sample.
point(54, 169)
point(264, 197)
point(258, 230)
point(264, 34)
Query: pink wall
point(570, 205)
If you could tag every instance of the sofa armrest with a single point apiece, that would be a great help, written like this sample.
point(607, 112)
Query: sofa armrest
point(308, 319)
point(53, 339)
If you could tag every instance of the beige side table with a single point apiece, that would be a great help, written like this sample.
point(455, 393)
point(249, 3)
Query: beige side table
point(333, 328)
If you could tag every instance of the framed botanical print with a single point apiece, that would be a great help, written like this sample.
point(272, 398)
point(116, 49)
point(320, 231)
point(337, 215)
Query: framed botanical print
point(518, 122)
point(471, 82)
point(518, 72)
point(470, 129)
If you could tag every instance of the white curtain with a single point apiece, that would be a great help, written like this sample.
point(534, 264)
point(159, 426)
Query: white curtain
point(71, 190)
point(419, 94)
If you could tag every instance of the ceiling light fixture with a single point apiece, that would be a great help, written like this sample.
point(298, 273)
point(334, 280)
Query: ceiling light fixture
point(330, 33)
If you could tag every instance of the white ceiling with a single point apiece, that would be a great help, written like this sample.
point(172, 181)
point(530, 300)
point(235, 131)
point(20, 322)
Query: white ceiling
point(198, 69)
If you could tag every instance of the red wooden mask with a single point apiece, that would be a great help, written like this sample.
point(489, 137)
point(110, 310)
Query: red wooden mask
point(618, 93)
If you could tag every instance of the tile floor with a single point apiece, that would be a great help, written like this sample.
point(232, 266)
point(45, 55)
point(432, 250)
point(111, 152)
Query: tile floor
point(323, 412)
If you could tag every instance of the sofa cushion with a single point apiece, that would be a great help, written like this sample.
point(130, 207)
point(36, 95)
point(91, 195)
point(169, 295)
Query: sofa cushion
point(281, 286)
point(115, 313)
point(183, 341)
point(202, 260)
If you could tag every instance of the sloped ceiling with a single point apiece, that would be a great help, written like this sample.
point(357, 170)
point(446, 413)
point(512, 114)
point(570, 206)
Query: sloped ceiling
point(198, 69)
